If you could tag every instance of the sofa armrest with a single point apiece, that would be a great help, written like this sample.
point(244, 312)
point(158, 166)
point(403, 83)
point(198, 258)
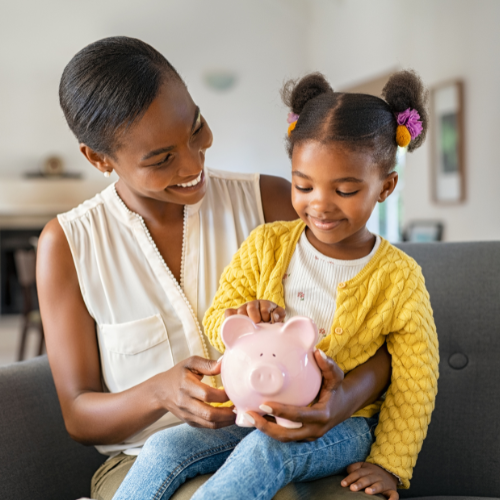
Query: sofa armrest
point(38, 459)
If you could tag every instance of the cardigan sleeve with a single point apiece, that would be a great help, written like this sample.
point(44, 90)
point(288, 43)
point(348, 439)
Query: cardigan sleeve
point(238, 284)
point(406, 412)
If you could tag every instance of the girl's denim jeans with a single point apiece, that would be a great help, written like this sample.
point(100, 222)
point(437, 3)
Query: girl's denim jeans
point(248, 463)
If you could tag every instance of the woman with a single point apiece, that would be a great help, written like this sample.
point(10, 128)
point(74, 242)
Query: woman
point(125, 278)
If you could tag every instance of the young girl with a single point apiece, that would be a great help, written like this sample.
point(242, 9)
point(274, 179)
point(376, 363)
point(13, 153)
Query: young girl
point(359, 289)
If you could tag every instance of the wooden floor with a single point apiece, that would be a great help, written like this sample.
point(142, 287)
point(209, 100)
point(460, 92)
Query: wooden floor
point(10, 328)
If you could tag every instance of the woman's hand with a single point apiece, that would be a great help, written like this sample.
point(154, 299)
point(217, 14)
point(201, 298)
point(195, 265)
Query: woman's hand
point(259, 311)
point(187, 396)
point(327, 412)
point(372, 478)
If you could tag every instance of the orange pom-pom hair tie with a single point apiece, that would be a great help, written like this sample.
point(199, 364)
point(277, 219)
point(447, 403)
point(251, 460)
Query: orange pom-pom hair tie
point(292, 120)
point(403, 136)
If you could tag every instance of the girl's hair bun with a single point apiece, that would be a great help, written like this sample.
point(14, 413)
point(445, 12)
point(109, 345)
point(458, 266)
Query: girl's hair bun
point(405, 90)
point(296, 93)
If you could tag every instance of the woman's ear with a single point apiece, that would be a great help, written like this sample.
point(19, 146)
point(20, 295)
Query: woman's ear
point(99, 161)
point(388, 186)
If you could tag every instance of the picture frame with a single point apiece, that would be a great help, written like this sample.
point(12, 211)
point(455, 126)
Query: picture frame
point(447, 143)
point(424, 231)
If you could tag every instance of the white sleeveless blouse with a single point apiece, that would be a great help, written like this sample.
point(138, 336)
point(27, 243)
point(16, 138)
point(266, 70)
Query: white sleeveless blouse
point(146, 322)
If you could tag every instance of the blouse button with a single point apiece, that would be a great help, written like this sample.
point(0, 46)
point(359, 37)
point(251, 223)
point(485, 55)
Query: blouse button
point(339, 330)
point(342, 285)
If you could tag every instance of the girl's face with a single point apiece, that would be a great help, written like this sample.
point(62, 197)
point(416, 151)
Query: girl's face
point(162, 151)
point(334, 191)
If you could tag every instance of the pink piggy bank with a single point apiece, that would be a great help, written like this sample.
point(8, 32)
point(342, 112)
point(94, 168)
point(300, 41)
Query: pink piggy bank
point(269, 362)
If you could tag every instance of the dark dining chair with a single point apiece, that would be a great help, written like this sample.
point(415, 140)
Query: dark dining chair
point(25, 261)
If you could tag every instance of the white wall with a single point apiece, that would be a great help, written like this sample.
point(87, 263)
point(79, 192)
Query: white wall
point(260, 40)
point(354, 40)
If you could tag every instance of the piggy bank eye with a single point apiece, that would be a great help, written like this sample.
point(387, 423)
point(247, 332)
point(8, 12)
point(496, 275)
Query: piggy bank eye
point(274, 355)
point(261, 353)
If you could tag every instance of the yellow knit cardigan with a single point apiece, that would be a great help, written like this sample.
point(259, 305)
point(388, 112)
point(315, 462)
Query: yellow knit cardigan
point(386, 301)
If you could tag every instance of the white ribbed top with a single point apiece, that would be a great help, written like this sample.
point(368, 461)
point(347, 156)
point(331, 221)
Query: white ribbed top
point(311, 280)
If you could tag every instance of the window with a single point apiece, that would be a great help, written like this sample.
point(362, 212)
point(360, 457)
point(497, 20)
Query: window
point(387, 218)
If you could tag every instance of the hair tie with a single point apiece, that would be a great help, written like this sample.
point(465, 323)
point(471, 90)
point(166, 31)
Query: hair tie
point(292, 120)
point(409, 127)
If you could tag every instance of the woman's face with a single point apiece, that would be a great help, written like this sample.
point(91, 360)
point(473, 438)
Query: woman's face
point(334, 191)
point(162, 155)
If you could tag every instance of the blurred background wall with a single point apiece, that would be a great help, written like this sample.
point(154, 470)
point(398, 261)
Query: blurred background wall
point(263, 42)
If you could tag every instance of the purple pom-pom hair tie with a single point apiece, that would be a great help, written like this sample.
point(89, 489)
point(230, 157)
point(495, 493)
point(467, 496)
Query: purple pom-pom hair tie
point(292, 117)
point(411, 120)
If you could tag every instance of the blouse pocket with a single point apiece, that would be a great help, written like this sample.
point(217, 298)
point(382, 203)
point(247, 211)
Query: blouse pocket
point(134, 351)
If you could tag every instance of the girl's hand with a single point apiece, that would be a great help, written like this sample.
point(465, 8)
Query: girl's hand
point(259, 311)
point(372, 478)
point(323, 415)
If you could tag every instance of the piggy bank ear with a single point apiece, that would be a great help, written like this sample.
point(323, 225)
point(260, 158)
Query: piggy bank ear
point(303, 329)
point(234, 327)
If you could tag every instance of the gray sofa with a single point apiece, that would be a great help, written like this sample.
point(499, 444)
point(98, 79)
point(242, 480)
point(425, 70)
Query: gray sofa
point(460, 457)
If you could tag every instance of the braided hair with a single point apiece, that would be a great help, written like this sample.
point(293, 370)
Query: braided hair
point(365, 122)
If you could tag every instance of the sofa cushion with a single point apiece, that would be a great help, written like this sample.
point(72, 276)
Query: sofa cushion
point(461, 453)
point(459, 458)
point(38, 459)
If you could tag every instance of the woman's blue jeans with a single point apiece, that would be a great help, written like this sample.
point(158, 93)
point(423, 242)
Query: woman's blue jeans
point(248, 463)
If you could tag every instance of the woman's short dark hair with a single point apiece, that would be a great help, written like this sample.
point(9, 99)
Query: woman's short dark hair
point(108, 85)
point(361, 121)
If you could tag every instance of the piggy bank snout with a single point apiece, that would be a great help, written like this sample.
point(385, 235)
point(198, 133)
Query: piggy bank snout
point(266, 379)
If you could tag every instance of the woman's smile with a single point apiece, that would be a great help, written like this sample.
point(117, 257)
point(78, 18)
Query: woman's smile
point(193, 182)
point(191, 186)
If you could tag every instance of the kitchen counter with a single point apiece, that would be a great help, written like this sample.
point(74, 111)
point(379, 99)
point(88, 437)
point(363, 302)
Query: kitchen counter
point(32, 202)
